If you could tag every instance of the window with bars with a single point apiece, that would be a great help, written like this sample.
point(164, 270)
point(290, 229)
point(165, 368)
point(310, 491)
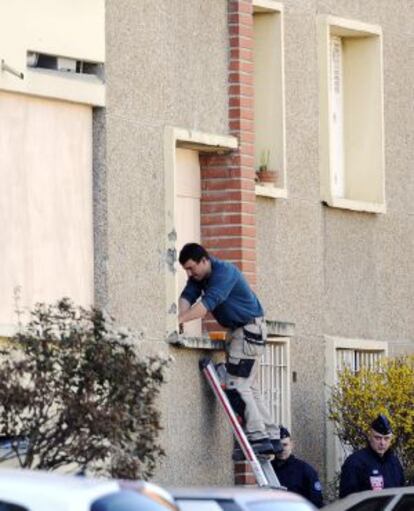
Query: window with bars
point(354, 359)
point(274, 380)
point(341, 353)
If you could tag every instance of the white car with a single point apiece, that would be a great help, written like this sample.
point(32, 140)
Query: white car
point(239, 499)
point(25, 490)
point(390, 499)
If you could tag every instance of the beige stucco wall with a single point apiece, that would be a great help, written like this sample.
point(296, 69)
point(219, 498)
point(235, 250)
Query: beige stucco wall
point(330, 271)
point(166, 64)
point(334, 271)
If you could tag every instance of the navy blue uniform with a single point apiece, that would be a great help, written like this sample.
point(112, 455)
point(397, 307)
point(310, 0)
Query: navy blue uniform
point(366, 470)
point(299, 477)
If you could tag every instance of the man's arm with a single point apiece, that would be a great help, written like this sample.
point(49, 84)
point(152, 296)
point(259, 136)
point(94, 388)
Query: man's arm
point(183, 305)
point(349, 482)
point(314, 489)
point(401, 473)
point(197, 311)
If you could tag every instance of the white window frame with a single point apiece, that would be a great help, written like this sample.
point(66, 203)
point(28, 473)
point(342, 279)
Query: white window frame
point(352, 174)
point(197, 141)
point(274, 379)
point(269, 89)
point(332, 346)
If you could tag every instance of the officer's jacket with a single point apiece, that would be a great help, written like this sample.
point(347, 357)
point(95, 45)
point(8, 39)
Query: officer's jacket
point(366, 470)
point(299, 477)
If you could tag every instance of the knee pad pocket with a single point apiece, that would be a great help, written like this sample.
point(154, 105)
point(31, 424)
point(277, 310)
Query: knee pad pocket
point(243, 368)
point(236, 402)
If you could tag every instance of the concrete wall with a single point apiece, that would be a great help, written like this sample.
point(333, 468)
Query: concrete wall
point(333, 271)
point(73, 29)
point(166, 64)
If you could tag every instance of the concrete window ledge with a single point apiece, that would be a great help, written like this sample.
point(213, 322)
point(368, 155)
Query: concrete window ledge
point(275, 329)
point(280, 328)
point(198, 343)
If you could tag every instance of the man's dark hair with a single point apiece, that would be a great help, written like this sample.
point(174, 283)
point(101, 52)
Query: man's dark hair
point(192, 251)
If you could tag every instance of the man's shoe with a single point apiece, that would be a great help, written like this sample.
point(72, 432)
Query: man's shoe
point(262, 446)
point(277, 446)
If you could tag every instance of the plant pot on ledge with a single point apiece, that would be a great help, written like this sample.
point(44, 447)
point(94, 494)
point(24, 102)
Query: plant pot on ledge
point(266, 177)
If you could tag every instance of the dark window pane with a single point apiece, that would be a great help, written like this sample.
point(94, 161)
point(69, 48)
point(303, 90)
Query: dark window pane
point(372, 504)
point(405, 504)
point(126, 501)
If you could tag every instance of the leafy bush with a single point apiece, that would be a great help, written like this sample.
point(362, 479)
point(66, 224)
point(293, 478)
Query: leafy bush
point(359, 397)
point(74, 387)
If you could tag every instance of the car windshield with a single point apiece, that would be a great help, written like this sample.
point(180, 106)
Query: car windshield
point(126, 500)
point(279, 505)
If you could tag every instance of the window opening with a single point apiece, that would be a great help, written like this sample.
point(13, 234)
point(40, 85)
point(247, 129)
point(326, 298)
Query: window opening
point(274, 380)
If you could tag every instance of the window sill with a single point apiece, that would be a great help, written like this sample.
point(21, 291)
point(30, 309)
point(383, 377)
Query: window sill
point(271, 191)
point(354, 205)
point(274, 328)
point(198, 343)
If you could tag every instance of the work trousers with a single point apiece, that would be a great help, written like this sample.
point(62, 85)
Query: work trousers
point(244, 352)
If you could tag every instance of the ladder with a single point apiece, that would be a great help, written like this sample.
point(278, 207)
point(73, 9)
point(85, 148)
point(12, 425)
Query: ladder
point(261, 465)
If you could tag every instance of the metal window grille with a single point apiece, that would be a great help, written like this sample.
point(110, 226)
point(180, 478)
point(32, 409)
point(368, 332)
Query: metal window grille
point(354, 359)
point(357, 359)
point(274, 380)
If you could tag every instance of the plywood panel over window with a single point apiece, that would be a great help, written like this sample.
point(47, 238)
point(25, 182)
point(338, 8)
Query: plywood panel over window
point(188, 194)
point(46, 234)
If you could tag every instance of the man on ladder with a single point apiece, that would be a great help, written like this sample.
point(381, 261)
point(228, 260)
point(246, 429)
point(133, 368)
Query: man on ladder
point(225, 293)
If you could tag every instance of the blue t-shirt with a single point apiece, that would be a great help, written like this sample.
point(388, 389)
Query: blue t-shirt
point(226, 294)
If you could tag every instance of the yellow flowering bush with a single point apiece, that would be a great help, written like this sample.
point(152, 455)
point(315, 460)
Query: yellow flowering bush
point(360, 396)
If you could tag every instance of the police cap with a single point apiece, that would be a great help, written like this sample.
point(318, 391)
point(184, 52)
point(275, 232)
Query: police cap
point(284, 432)
point(381, 425)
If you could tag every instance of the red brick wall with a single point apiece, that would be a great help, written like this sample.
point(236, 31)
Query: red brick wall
point(228, 199)
point(228, 207)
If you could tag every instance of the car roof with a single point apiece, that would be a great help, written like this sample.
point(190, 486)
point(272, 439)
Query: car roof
point(349, 500)
point(238, 494)
point(58, 486)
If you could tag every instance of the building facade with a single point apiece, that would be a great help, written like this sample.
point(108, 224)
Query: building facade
point(129, 128)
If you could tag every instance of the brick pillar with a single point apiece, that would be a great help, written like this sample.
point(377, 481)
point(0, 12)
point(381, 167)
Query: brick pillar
point(228, 228)
point(228, 198)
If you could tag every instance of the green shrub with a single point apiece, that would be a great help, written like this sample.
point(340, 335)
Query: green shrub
point(73, 385)
point(359, 397)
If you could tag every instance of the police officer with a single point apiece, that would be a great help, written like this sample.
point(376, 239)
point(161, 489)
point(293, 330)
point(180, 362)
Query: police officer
point(375, 467)
point(295, 474)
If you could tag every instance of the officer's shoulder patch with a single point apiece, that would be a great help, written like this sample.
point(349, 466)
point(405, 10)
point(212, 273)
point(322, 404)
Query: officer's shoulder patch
point(317, 485)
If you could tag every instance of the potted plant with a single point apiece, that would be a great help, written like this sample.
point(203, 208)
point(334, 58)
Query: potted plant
point(264, 175)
